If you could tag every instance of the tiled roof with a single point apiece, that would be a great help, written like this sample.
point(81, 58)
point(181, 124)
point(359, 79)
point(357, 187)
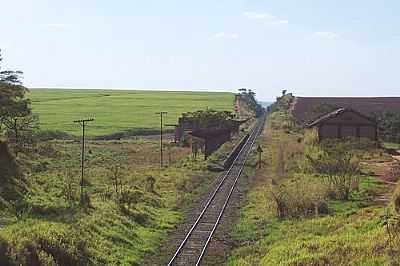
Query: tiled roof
point(335, 114)
point(303, 107)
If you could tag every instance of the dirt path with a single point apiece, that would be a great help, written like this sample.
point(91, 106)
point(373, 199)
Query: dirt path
point(388, 173)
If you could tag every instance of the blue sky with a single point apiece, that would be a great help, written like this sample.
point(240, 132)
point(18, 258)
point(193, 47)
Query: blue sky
point(326, 47)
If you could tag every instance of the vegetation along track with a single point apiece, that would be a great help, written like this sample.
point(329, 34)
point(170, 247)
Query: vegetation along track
point(192, 249)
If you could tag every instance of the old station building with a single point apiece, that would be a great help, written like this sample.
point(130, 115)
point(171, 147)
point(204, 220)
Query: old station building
point(345, 122)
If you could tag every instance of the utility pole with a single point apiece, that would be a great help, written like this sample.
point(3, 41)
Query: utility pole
point(161, 136)
point(83, 122)
point(260, 151)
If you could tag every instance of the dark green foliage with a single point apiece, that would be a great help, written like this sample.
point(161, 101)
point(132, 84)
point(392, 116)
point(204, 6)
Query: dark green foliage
point(8, 165)
point(12, 97)
point(12, 183)
point(15, 111)
point(210, 119)
point(389, 124)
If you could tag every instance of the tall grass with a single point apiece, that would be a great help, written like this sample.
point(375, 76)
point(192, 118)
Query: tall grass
point(292, 216)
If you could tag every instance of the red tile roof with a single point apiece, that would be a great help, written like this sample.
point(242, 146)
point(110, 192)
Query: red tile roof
point(302, 107)
point(336, 113)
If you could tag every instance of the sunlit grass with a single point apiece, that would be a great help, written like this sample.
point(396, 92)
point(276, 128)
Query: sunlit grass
point(116, 110)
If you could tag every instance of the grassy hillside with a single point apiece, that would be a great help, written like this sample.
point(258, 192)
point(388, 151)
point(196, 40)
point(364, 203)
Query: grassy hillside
point(117, 111)
point(312, 225)
point(122, 224)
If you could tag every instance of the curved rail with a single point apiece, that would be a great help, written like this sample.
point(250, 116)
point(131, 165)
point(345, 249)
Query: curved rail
point(249, 144)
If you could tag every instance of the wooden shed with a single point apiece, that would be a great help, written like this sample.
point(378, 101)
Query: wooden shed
point(345, 122)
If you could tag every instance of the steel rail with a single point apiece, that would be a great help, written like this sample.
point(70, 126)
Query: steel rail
point(228, 198)
point(252, 138)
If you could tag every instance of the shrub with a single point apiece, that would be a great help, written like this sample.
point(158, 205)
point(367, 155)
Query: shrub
point(338, 166)
point(116, 174)
point(129, 198)
point(299, 197)
point(150, 184)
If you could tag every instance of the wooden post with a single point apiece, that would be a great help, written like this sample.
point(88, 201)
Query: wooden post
point(260, 151)
point(161, 137)
point(83, 124)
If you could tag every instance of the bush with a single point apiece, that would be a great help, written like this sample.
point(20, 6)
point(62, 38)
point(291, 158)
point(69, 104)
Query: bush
point(129, 198)
point(299, 197)
point(338, 166)
point(150, 183)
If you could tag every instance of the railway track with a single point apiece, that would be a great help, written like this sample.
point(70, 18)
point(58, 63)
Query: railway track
point(193, 247)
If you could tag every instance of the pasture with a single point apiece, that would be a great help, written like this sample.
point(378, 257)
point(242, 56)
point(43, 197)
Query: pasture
point(119, 110)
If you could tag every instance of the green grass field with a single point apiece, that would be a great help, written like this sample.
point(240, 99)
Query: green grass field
point(117, 110)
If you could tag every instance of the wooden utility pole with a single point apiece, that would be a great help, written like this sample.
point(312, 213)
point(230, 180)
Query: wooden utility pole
point(83, 122)
point(260, 151)
point(161, 136)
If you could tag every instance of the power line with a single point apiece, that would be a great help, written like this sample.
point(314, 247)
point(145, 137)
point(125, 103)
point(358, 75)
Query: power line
point(83, 122)
point(161, 136)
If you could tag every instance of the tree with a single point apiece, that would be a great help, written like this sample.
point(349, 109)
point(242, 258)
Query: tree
point(15, 110)
point(20, 131)
point(243, 90)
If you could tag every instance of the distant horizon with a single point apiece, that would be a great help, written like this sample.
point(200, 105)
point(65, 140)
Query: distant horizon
point(319, 48)
point(268, 100)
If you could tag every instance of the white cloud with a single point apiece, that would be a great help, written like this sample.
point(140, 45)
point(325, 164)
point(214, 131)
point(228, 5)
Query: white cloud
point(256, 15)
point(56, 25)
point(326, 35)
point(267, 17)
point(280, 22)
point(225, 35)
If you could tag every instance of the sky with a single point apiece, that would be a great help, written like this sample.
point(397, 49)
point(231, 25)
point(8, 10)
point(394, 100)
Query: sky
point(309, 47)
